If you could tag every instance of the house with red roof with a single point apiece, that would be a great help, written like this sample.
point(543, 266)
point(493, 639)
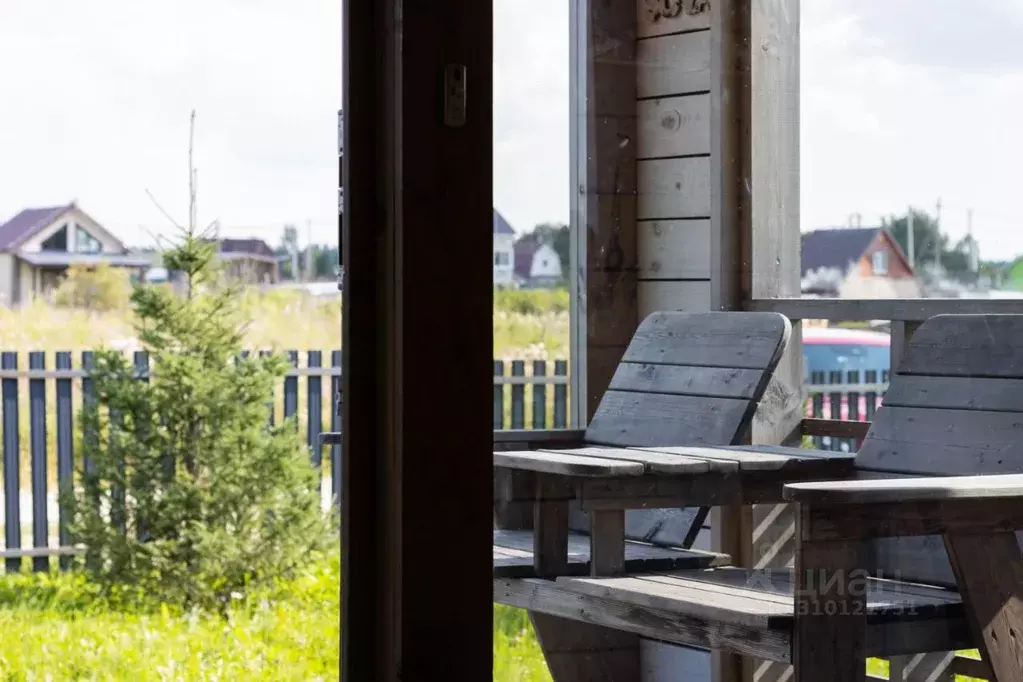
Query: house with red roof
point(38, 245)
point(856, 262)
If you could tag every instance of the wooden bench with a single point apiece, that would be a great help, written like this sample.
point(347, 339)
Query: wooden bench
point(931, 515)
point(685, 379)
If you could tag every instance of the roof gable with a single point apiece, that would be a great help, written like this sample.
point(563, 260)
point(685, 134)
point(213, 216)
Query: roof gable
point(27, 223)
point(501, 225)
point(835, 248)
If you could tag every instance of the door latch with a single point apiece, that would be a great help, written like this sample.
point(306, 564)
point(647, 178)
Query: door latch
point(454, 95)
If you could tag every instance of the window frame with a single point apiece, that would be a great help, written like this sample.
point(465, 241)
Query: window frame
point(882, 257)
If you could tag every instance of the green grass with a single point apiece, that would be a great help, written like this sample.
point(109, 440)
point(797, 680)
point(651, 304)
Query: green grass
point(517, 654)
point(58, 628)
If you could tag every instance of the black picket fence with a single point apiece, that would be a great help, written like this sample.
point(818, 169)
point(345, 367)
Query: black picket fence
point(55, 397)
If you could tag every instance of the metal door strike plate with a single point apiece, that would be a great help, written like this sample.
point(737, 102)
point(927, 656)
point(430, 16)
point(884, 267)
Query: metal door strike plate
point(454, 95)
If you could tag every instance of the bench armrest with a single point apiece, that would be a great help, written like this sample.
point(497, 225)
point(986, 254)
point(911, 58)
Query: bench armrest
point(527, 439)
point(897, 490)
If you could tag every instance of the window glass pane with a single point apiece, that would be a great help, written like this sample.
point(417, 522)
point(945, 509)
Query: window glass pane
point(85, 242)
point(57, 241)
point(532, 235)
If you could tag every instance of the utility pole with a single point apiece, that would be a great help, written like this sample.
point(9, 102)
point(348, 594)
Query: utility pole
point(910, 246)
point(974, 255)
point(309, 274)
point(937, 246)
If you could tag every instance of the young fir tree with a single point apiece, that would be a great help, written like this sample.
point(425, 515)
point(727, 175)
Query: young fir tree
point(186, 494)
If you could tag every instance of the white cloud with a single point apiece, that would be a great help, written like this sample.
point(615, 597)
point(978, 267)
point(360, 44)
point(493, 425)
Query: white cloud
point(885, 124)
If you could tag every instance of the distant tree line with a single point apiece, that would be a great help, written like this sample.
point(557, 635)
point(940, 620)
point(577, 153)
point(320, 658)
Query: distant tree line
point(930, 244)
point(324, 258)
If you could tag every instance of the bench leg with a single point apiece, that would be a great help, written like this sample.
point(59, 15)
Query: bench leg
point(989, 571)
point(580, 652)
point(550, 525)
point(830, 631)
point(607, 542)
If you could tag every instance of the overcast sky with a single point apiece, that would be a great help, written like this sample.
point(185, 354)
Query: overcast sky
point(903, 101)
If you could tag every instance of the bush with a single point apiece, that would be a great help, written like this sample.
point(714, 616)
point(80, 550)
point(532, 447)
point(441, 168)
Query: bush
point(187, 495)
point(100, 287)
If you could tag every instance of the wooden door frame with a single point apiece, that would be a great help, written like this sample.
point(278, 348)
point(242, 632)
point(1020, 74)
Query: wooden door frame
point(418, 193)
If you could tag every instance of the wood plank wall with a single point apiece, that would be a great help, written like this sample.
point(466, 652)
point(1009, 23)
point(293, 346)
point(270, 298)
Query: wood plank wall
point(673, 164)
point(717, 222)
point(679, 238)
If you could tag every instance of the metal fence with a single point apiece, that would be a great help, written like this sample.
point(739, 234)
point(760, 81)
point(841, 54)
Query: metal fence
point(848, 396)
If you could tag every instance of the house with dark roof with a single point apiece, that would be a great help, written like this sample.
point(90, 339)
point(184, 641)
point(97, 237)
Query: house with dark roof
point(247, 261)
point(504, 252)
point(856, 262)
point(38, 245)
point(537, 264)
point(251, 260)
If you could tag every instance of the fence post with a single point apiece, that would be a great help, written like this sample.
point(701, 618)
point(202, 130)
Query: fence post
point(65, 449)
point(539, 395)
point(518, 396)
point(271, 405)
point(314, 407)
point(291, 389)
point(12, 464)
point(37, 450)
point(870, 397)
point(498, 396)
point(336, 425)
point(561, 396)
point(141, 362)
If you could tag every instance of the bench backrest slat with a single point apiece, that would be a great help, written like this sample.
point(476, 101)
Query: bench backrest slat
point(955, 407)
point(686, 379)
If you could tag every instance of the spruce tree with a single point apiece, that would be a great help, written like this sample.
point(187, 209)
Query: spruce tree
point(186, 493)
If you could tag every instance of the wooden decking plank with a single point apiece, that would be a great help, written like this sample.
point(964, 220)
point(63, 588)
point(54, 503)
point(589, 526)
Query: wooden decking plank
point(653, 461)
point(550, 462)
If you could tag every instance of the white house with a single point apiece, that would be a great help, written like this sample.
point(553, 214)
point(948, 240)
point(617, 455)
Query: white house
point(38, 245)
point(537, 264)
point(504, 252)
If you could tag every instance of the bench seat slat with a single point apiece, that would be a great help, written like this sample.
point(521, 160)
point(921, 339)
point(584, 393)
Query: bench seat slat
point(551, 462)
point(754, 598)
point(652, 460)
point(513, 556)
point(755, 458)
point(924, 489)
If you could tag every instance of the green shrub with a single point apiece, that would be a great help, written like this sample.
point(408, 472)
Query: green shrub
point(98, 287)
point(187, 495)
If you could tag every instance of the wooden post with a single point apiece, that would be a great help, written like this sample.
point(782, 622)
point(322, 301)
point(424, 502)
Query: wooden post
point(604, 314)
point(419, 189)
